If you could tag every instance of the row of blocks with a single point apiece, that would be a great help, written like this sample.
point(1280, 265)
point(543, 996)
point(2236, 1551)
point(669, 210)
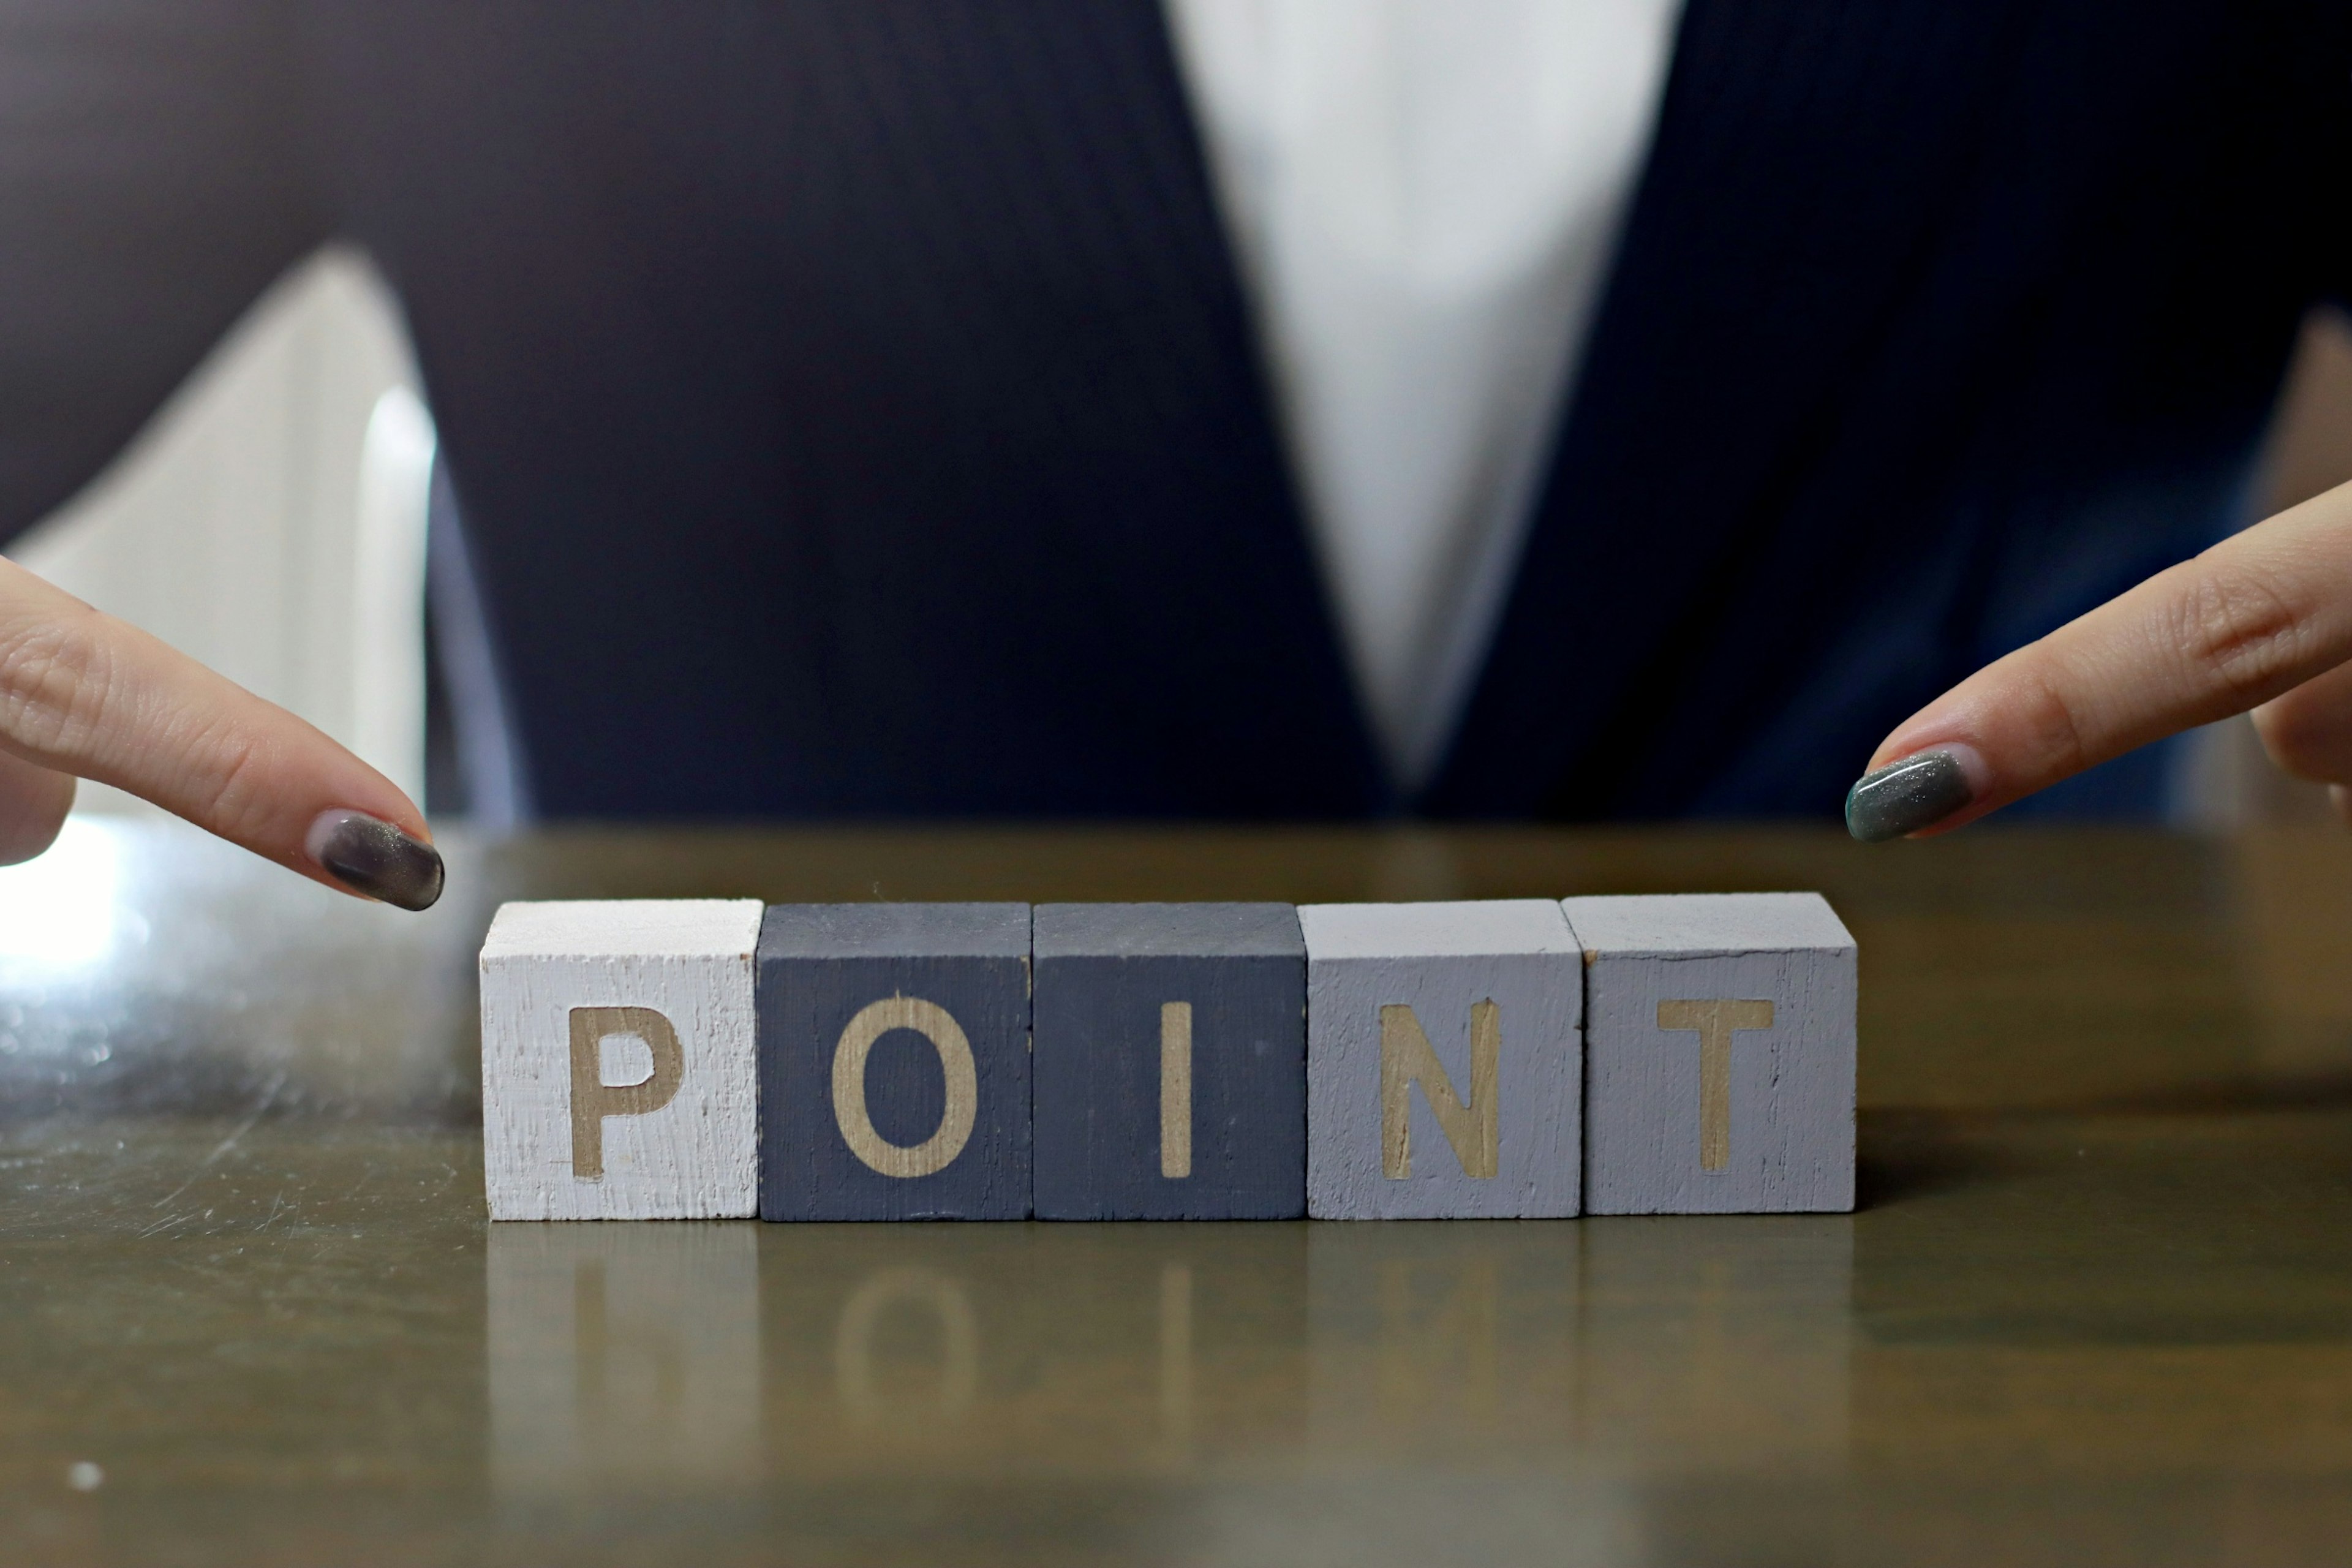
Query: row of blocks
point(1510, 1059)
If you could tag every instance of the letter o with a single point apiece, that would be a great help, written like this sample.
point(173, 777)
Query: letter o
point(934, 1023)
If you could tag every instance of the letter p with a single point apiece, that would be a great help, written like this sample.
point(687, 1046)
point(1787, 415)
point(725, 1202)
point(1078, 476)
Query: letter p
point(592, 1099)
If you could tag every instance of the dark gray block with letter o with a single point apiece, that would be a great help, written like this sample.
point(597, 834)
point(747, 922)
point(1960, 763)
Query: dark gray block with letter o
point(1171, 1062)
point(894, 1061)
point(1720, 1053)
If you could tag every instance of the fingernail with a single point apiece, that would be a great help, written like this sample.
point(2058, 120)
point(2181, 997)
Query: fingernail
point(1903, 797)
point(369, 855)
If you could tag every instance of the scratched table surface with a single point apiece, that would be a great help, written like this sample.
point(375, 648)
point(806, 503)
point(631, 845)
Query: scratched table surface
point(2096, 1306)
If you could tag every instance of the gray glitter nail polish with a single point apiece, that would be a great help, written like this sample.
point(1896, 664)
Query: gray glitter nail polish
point(1903, 797)
point(371, 856)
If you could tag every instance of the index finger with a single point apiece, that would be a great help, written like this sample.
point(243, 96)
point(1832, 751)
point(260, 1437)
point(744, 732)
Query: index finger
point(2256, 616)
point(85, 694)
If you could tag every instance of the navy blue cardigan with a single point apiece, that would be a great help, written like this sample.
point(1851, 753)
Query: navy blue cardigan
point(854, 409)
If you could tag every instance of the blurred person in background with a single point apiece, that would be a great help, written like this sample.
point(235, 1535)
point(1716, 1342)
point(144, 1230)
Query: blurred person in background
point(1555, 409)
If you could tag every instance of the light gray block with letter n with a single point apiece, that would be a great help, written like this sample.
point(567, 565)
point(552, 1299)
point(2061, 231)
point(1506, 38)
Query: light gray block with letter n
point(1719, 1054)
point(1444, 1061)
point(620, 1065)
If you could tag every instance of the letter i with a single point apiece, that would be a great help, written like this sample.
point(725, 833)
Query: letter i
point(1176, 1089)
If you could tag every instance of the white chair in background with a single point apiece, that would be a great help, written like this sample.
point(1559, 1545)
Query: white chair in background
point(270, 521)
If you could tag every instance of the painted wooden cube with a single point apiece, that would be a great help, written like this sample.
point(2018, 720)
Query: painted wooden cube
point(1171, 1062)
point(619, 1060)
point(1444, 1061)
point(894, 1061)
point(1720, 1053)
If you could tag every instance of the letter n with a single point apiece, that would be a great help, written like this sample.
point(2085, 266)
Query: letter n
point(1406, 1059)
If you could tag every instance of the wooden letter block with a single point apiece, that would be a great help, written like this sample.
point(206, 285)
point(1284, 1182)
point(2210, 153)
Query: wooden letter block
point(1719, 1041)
point(1444, 1061)
point(1171, 1061)
point(894, 1061)
point(619, 1060)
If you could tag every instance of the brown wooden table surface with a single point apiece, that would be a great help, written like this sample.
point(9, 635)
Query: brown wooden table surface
point(2096, 1307)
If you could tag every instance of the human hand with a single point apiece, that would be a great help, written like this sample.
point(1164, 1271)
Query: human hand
point(2261, 621)
point(84, 695)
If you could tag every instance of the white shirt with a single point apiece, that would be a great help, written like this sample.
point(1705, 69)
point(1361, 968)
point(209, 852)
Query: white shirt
point(1425, 195)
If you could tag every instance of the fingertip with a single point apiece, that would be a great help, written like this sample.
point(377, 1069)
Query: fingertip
point(375, 859)
point(1923, 788)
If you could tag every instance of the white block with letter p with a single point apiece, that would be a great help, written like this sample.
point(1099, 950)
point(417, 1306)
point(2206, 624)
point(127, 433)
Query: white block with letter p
point(620, 1075)
point(1445, 1061)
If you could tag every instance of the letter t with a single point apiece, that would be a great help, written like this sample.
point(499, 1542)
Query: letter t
point(1715, 1021)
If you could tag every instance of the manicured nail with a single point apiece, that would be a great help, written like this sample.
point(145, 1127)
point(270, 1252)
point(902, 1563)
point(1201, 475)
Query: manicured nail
point(1903, 797)
point(369, 855)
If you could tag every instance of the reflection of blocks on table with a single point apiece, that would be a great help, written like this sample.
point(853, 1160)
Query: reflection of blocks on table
point(1428, 1339)
point(1444, 1061)
point(1710, 1338)
point(618, 1065)
point(894, 1061)
point(623, 1359)
point(1719, 1054)
point(1171, 1062)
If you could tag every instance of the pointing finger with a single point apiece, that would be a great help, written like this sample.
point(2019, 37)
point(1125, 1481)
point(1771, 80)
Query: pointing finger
point(83, 693)
point(2255, 616)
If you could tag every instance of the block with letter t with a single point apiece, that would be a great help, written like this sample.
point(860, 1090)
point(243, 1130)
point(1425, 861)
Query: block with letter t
point(894, 1061)
point(1445, 1061)
point(619, 1077)
point(1171, 1062)
point(1720, 1053)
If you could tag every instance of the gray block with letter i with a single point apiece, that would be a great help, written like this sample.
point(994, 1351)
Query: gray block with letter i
point(1444, 1061)
point(1720, 1053)
point(894, 1061)
point(1171, 1062)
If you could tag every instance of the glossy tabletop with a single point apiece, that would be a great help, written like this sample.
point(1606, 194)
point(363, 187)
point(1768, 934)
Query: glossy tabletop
point(2096, 1305)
